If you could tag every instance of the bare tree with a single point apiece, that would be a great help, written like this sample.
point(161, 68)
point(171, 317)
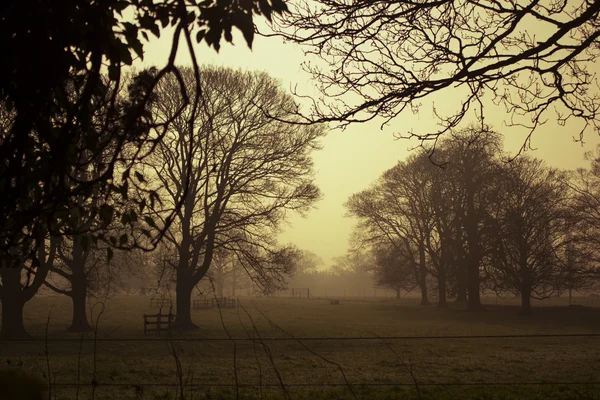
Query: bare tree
point(392, 270)
point(585, 200)
point(470, 157)
point(396, 208)
point(531, 221)
point(531, 57)
point(247, 171)
point(445, 242)
point(582, 257)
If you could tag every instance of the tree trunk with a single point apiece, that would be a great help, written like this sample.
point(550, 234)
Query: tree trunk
point(12, 319)
point(473, 256)
point(12, 304)
point(220, 285)
point(525, 302)
point(183, 316)
point(398, 294)
point(458, 268)
point(233, 277)
point(423, 277)
point(461, 285)
point(473, 283)
point(442, 302)
point(79, 322)
point(570, 297)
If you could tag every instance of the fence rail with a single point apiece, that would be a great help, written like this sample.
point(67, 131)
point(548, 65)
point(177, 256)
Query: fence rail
point(208, 303)
point(333, 384)
point(158, 323)
point(157, 303)
point(309, 338)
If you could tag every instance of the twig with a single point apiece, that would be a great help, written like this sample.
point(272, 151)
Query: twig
point(310, 351)
point(178, 369)
point(94, 380)
point(235, 374)
point(408, 369)
point(47, 354)
point(268, 353)
point(260, 385)
point(79, 366)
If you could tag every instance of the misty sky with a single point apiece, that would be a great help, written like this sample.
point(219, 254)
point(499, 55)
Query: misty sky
point(350, 160)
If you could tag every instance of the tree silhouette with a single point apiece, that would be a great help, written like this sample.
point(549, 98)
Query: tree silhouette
point(396, 209)
point(247, 170)
point(51, 80)
point(471, 159)
point(532, 58)
point(531, 231)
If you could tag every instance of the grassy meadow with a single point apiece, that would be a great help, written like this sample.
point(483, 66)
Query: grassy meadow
point(128, 365)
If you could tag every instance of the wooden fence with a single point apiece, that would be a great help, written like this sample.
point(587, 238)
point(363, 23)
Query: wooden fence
point(159, 303)
point(208, 303)
point(158, 322)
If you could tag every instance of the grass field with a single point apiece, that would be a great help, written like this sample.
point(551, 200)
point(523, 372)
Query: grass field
point(477, 368)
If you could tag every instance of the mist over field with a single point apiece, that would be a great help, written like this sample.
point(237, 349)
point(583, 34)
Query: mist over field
point(290, 199)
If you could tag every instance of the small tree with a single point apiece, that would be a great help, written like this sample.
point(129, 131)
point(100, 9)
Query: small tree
point(392, 270)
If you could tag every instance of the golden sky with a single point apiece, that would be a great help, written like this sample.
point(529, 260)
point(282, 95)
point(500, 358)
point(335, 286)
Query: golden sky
point(350, 160)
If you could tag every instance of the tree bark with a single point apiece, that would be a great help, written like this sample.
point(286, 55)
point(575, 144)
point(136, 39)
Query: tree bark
point(423, 276)
point(79, 322)
point(183, 316)
point(525, 302)
point(473, 283)
point(461, 285)
point(12, 319)
point(473, 256)
point(442, 301)
point(12, 304)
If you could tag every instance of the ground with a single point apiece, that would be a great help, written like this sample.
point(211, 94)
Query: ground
point(121, 357)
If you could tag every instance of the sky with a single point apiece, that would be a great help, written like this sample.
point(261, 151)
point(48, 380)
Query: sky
point(352, 159)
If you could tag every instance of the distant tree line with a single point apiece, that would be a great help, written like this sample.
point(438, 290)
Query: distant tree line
point(465, 218)
point(349, 274)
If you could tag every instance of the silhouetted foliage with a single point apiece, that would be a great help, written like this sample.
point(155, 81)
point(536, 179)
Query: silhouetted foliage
point(474, 221)
point(530, 231)
point(61, 116)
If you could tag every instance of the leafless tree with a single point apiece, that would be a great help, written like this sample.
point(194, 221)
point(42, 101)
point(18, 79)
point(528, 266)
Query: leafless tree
point(583, 256)
point(470, 157)
point(531, 226)
point(534, 58)
point(396, 208)
point(444, 243)
point(392, 270)
point(248, 170)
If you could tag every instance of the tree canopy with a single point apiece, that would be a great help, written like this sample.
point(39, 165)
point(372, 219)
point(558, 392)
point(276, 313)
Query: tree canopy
point(61, 115)
point(534, 58)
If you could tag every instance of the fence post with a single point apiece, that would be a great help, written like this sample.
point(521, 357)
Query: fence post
point(158, 324)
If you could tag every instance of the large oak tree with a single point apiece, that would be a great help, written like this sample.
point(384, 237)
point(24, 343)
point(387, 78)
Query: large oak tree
point(246, 172)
